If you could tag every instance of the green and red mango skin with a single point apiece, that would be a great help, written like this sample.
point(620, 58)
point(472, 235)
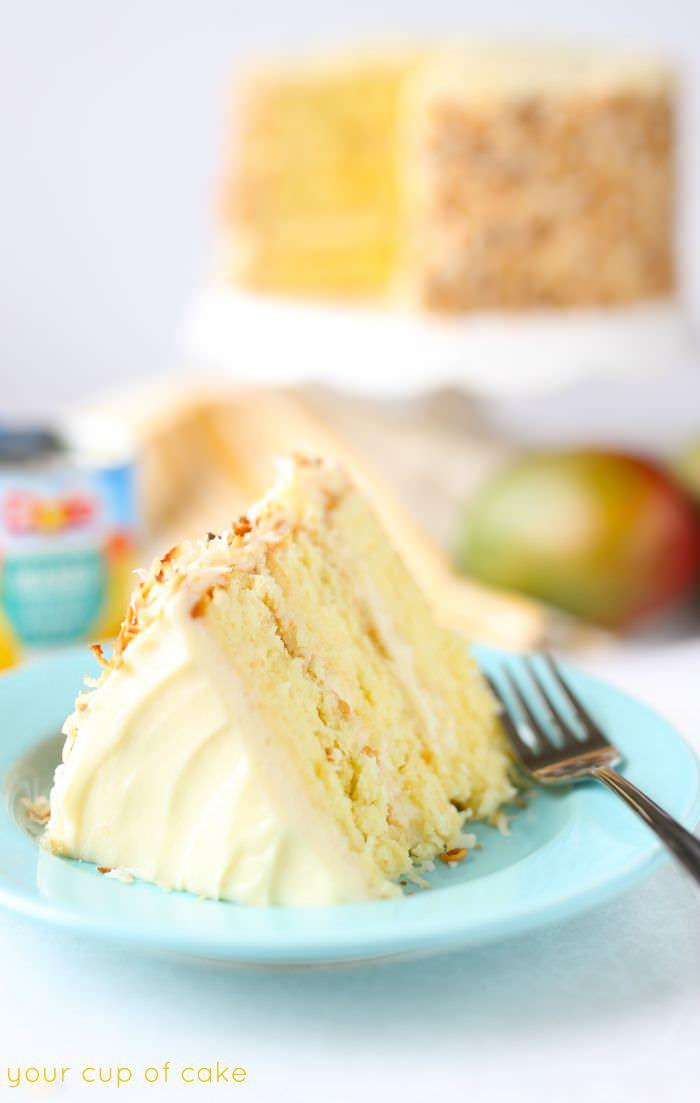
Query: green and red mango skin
point(609, 537)
point(687, 467)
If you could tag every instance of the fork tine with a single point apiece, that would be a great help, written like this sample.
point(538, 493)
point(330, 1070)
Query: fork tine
point(543, 740)
point(584, 717)
point(566, 732)
point(518, 745)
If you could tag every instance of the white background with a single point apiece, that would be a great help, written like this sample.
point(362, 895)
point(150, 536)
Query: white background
point(111, 121)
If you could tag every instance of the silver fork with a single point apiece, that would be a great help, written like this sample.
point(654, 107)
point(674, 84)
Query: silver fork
point(580, 751)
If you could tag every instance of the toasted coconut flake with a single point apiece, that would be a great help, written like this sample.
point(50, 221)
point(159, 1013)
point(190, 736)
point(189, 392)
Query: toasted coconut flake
point(96, 649)
point(171, 554)
point(453, 856)
point(38, 809)
point(460, 805)
point(242, 526)
point(200, 606)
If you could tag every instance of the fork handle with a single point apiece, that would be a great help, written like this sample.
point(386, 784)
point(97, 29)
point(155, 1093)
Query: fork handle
point(680, 842)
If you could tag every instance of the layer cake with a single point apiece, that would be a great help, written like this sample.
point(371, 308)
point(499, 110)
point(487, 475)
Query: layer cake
point(475, 177)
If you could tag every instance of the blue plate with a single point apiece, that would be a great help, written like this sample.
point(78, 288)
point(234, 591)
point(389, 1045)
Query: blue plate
point(568, 850)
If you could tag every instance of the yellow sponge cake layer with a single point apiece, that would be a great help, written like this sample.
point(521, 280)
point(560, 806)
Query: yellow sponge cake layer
point(314, 191)
point(282, 721)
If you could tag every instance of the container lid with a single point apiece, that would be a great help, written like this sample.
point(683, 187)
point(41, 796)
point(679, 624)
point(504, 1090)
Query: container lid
point(28, 444)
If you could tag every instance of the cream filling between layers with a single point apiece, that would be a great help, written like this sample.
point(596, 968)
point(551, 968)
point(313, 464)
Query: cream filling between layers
point(173, 777)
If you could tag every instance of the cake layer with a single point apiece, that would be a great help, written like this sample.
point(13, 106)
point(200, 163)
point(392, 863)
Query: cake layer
point(312, 199)
point(282, 721)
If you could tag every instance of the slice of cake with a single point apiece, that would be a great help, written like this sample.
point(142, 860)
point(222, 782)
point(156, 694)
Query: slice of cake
point(282, 721)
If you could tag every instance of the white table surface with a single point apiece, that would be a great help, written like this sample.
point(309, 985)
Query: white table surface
point(604, 1007)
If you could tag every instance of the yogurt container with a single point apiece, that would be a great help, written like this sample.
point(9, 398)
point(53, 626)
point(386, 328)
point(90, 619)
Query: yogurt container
point(68, 534)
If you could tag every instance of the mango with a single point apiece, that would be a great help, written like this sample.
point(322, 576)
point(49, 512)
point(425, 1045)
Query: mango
point(607, 536)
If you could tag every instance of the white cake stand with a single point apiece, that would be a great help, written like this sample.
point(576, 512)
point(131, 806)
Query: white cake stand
point(385, 353)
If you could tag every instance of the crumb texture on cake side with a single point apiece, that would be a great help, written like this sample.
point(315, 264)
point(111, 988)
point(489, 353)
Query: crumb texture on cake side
point(539, 178)
point(282, 720)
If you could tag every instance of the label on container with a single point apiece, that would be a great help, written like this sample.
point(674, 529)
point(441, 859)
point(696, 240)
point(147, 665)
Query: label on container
point(67, 539)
